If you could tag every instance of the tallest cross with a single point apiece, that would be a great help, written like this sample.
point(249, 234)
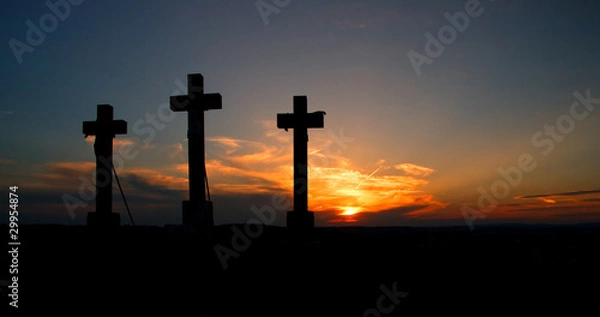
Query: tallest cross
point(197, 212)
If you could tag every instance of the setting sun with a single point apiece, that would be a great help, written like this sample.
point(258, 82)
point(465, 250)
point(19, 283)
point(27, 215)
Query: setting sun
point(349, 211)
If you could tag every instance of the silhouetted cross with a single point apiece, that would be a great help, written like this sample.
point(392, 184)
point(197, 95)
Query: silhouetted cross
point(195, 103)
point(300, 121)
point(105, 129)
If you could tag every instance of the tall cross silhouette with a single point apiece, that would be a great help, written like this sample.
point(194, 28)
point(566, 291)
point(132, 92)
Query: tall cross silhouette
point(300, 218)
point(198, 211)
point(105, 129)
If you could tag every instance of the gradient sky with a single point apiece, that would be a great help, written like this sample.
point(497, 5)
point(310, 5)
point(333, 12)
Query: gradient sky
point(398, 148)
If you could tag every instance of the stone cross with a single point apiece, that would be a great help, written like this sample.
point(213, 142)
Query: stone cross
point(300, 218)
point(105, 129)
point(197, 211)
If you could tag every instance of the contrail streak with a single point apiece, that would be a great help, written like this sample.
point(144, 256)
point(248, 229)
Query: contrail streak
point(368, 177)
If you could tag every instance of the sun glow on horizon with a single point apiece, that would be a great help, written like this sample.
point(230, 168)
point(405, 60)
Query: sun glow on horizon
point(349, 211)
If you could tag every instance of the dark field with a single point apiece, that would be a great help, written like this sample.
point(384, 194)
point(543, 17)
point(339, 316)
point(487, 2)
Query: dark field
point(335, 272)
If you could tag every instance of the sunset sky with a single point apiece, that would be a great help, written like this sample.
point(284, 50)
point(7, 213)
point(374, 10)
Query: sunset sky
point(497, 119)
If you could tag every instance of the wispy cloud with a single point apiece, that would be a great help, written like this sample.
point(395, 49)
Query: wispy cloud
point(573, 196)
point(61, 174)
point(549, 207)
point(561, 194)
point(413, 169)
point(175, 151)
point(155, 178)
point(244, 152)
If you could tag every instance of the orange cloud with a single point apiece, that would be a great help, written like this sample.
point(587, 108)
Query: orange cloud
point(175, 151)
point(120, 142)
point(563, 207)
point(63, 174)
point(230, 145)
point(116, 141)
point(335, 184)
point(548, 200)
point(412, 169)
point(244, 152)
point(572, 195)
point(157, 178)
point(544, 212)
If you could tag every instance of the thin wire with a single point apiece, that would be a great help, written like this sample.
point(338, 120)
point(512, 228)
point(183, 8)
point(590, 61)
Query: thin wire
point(206, 180)
point(122, 194)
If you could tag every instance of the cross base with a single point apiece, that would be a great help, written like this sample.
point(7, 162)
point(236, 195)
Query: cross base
point(300, 220)
point(198, 216)
point(108, 220)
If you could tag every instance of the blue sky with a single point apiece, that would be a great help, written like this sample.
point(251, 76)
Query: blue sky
point(475, 109)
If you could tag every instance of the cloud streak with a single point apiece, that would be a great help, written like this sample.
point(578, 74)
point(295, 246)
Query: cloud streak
point(414, 170)
point(561, 197)
point(562, 194)
point(571, 206)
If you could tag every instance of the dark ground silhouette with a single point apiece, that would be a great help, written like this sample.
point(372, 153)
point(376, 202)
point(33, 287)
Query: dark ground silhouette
point(339, 272)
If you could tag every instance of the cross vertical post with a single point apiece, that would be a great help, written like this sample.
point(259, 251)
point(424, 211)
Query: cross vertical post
point(300, 219)
point(300, 156)
point(197, 211)
point(105, 129)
